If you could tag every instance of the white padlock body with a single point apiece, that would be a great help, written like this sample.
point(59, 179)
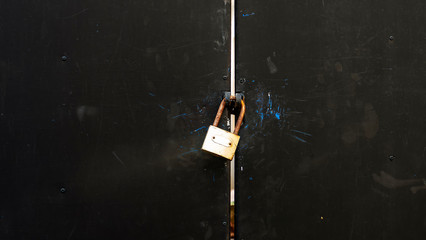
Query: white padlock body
point(220, 142)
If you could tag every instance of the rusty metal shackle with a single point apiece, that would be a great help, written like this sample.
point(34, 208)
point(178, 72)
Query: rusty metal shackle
point(240, 118)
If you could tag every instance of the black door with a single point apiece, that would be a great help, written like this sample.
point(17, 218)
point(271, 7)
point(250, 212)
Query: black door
point(103, 109)
point(334, 140)
point(104, 106)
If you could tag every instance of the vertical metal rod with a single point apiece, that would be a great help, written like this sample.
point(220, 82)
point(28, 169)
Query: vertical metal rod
point(232, 168)
point(233, 47)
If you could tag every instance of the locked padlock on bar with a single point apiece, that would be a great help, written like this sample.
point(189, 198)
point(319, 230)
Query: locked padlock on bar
point(220, 142)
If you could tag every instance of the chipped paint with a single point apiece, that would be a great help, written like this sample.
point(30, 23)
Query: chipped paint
point(248, 14)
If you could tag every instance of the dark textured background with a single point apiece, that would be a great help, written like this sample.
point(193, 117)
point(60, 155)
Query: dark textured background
point(118, 122)
point(332, 100)
point(104, 106)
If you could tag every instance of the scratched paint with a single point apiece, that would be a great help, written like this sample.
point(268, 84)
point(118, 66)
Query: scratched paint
point(272, 110)
point(199, 129)
point(161, 106)
point(248, 14)
point(181, 115)
point(271, 65)
point(189, 152)
point(304, 133)
point(299, 139)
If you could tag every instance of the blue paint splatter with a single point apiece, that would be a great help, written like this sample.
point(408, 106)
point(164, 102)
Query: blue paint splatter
point(251, 178)
point(214, 179)
point(181, 115)
point(248, 14)
point(272, 111)
point(285, 83)
point(269, 101)
point(278, 115)
point(151, 94)
point(261, 115)
point(300, 139)
point(159, 105)
point(192, 151)
point(198, 129)
point(304, 133)
point(249, 197)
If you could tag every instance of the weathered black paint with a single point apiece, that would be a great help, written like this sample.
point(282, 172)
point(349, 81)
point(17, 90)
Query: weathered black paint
point(346, 85)
point(104, 106)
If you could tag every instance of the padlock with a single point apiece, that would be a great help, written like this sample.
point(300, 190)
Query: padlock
point(220, 142)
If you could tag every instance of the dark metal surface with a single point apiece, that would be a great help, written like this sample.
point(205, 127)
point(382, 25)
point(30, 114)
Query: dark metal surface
point(333, 146)
point(103, 109)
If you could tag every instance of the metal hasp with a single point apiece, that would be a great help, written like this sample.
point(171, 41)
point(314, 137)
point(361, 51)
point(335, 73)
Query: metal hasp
point(237, 98)
point(220, 142)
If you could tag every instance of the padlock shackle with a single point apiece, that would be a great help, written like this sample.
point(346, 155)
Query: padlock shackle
point(219, 113)
point(240, 118)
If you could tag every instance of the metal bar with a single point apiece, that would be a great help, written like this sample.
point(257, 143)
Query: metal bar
point(233, 48)
point(232, 165)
